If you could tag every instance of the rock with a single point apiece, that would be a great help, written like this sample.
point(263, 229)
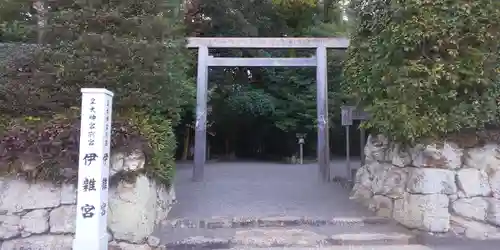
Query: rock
point(18, 195)
point(474, 229)
point(35, 222)
point(9, 226)
point(424, 212)
point(493, 215)
point(139, 197)
point(431, 181)
point(362, 187)
point(387, 179)
point(116, 163)
point(474, 208)
point(62, 219)
point(376, 149)
point(200, 242)
point(68, 173)
point(453, 197)
point(365, 238)
point(59, 242)
point(363, 176)
point(382, 205)
point(153, 241)
point(134, 161)
point(448, 156)
point(494, 180)
point(165, 200)
point(278, 221)
point(400, 157)
point(126, 162)
point(68, 194)
point(110, 236)
point(127, 246)
point(278, 237)
point(473, 182)
point(486, 158)
point(361, 194)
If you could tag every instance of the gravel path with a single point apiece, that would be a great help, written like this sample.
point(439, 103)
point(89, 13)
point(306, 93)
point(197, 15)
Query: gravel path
point(261, 189)
point(258, 190)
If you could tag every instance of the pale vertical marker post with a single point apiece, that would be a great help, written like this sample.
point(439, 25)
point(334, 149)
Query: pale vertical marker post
point(93, 170)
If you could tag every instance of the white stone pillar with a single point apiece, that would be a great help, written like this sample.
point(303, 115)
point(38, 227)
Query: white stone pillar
point(93, 170)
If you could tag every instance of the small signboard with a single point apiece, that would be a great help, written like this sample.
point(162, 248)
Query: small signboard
point(348, 115)
point(346, 112)
point(300, 138)
point(351, 113)
point(359, 115)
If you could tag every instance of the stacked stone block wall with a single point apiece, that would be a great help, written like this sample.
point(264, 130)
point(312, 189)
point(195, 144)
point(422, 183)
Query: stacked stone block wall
point(435, 188)
point(41, 215)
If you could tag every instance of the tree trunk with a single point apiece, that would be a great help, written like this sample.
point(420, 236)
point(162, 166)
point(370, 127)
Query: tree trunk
point(227, 146)
point(186, 145)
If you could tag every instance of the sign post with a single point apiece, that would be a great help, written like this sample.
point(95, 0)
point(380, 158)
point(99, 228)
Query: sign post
point(93, 170)
point(346, 112)
point(348, 115)
point(301, 142)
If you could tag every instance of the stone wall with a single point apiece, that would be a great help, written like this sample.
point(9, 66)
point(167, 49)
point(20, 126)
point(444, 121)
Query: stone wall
point(41, 216)
point(434, 188)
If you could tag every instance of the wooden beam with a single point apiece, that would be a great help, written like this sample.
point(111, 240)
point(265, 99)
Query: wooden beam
point(261, 62)
point(268, 42)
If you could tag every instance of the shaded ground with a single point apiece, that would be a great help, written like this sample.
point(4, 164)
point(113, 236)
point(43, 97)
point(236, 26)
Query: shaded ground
point(457, 243)
point(258, 189)
point(261, 189)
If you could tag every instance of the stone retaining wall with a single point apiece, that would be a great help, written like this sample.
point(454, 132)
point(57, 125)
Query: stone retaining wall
point(433, 188)
point(41, 216)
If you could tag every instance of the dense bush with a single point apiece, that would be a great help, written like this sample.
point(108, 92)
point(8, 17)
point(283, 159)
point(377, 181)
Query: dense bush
point(425, 68)
point(17, 22)
point(134, 48)
point(47, 149)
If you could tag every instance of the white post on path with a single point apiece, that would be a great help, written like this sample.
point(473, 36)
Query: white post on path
point(93, 170)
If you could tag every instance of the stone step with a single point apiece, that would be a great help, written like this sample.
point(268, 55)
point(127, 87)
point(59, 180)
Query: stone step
point(366, 247)
point(270, 221)
point(297, 236)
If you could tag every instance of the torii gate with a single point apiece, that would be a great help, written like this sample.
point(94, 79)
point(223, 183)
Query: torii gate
point(319, 61)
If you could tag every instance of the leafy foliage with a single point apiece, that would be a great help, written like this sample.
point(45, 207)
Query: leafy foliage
point(134, 48)
point(17, 22)
point(270, 102)
point(425, 68)
point(158, 141)
point(47, 149)
point(248, 100)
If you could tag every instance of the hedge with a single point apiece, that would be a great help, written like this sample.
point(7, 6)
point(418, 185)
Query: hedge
point(134, 48)
point(425, 69)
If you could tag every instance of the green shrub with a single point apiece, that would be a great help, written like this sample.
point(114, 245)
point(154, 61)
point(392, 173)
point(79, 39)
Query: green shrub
point(47, 149)
point(424, 68)
point(161, 144)
point(134, 48)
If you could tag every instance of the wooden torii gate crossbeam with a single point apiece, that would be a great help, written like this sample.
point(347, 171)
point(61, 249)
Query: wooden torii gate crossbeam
point(319, 61)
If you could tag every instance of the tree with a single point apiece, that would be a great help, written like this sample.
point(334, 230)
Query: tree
point(276, 102)
point(425, 68)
